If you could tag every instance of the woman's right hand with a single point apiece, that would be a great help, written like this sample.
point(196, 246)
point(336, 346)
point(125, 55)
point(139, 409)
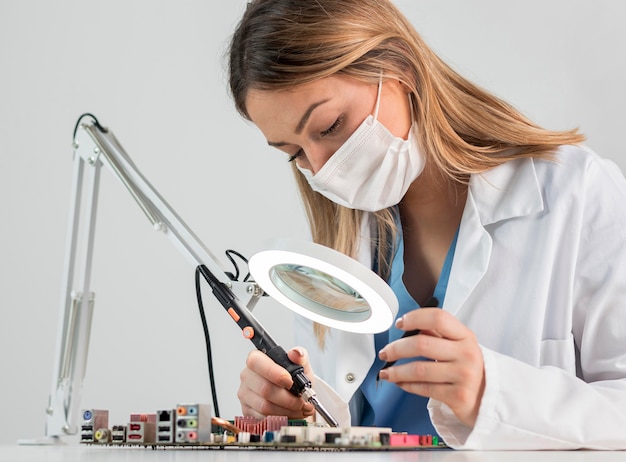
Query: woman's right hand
point(264, 387)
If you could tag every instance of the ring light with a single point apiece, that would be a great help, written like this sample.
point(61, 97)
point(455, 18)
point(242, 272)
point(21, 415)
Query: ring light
point(325, 286)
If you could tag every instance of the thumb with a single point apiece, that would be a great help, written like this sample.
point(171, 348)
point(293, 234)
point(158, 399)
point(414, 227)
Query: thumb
point(300, 356)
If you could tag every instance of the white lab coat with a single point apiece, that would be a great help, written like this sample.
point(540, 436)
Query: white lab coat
point(539, 275)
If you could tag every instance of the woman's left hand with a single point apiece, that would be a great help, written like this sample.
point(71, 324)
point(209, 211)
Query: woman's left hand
point(456, 375)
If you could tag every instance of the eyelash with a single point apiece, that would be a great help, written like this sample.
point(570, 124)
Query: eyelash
point(329, 131)
point(333, 128)
point(296, 155)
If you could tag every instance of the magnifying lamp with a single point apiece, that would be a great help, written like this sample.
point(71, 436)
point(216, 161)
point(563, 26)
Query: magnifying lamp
point(312, 280)
point(324, 285)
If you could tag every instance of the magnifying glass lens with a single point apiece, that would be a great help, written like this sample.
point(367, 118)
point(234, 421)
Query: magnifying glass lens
point(320, 292)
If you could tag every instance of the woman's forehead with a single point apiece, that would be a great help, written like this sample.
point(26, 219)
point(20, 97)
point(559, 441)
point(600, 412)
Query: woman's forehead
point(300, 96)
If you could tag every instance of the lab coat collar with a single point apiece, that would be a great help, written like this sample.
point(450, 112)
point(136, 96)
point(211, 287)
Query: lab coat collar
point(507, 191)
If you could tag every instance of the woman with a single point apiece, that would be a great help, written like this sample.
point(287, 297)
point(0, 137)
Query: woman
point(455, 198)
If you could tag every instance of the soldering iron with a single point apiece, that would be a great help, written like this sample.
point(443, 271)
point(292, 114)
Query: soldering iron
point(253, 331)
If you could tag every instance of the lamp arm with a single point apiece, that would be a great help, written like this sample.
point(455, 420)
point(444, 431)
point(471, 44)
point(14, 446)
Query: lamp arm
point(96, 146)
point(105, 146)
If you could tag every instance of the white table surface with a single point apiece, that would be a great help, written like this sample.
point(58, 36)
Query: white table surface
point(73, 453)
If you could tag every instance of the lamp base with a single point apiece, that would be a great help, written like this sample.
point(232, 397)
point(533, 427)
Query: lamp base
point(43, 441)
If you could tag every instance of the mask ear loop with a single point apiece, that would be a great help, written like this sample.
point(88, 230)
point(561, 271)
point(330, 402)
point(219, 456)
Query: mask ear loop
point(380, 88)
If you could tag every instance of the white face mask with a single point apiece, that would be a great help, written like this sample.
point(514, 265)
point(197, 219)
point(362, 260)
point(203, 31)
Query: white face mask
point(372, 170)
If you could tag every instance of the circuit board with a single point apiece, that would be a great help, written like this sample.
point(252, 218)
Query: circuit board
point(191, 426)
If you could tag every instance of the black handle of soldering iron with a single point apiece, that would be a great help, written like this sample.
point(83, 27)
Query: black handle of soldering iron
point(254, 331)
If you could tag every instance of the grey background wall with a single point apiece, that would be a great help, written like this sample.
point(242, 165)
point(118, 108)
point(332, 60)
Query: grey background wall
point(153, 72)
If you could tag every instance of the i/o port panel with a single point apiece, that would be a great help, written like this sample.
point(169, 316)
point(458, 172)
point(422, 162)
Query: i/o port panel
point(193, 423)
point(166, 426)
point(93, 420)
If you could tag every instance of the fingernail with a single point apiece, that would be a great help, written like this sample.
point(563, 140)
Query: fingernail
point(383, 375)
point(400, 322)
point(300, 351)
point(382, 354)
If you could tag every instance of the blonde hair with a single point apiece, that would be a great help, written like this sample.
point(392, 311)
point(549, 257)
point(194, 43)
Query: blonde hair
point(461, 128)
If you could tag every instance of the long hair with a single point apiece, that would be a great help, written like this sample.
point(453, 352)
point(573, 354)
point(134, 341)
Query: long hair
point(461, 128)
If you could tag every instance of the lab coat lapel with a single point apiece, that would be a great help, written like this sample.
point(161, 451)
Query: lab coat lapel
point(471, 257)
point(507, 191)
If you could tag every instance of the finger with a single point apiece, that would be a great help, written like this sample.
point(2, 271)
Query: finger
point(256, 406)
point(435, 320)
point(461, 388)
point(424, 345)
point(254, 388)
point(265, 367)
point(463, 401)
point(265, 398)
point(421, 372)
point(264, 386)
point(300, 356)
point(438, 391)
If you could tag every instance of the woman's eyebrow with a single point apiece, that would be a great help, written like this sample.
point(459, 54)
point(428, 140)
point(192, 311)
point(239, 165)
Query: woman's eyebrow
point(302, 123)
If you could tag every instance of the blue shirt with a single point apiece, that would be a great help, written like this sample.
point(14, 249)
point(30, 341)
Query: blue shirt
point(384, 404)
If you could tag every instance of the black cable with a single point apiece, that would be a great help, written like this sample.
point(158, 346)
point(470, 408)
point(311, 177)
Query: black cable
point(205, 327)
point(207, 340)
point(95, 120)
point(232, 260)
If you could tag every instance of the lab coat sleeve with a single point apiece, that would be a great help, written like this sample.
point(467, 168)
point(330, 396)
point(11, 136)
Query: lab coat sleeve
point(323, 365)
point(555, 405)
point(333, 403)
point(525, 407)
point(343, 354)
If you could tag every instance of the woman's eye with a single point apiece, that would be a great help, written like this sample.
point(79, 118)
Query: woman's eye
point(329, 131)
point(299, 153)
point(333, 128)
